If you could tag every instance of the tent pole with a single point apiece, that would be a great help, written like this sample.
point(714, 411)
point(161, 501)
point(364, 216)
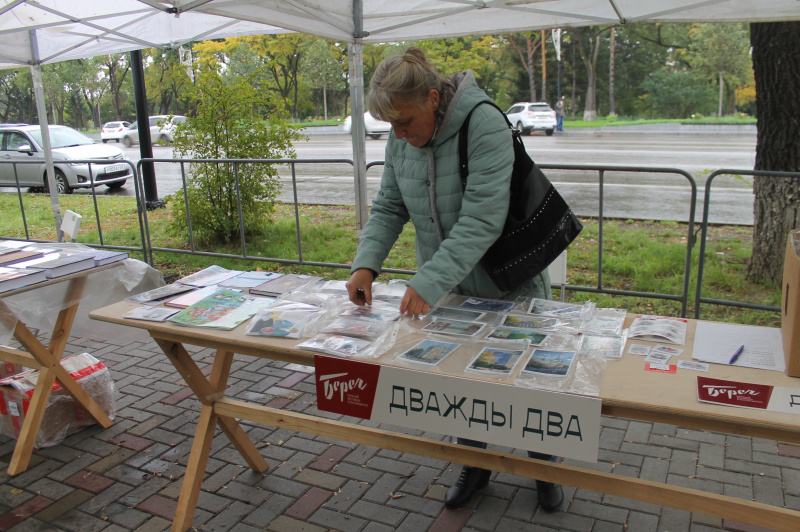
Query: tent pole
point(356, 67)
point(145, 142)
point(41, 110)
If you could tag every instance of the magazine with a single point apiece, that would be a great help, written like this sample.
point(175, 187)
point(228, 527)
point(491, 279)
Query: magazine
point(496, 361)
point(335, 345)
point(283, 323)
point(456, 327)
point(509, 333)
point(189, 299)
point(456, 313)
point(157, 296)
point(211, 309)
point(369, 329)
point(488, 305)
point(284, 284)
point(550, 363)
point(241, 314)
point(547, 307)
point(429, 352)
point(529, 322)
point(658, 328)
point(147, 313)
point(210, 276)
point(248, 280)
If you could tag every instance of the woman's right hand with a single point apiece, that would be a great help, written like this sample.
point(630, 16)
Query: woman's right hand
point(359, 287)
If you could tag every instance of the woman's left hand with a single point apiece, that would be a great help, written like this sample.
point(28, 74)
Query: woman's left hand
point(413, 304)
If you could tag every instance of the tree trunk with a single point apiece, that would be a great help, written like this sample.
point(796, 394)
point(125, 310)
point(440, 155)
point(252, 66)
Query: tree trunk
point(776, 66)
point(590, 60)
point(721, 92)
point(574, 74)
point(325, 99)
point(531, 80)
point(544, 66)
point(612, 110)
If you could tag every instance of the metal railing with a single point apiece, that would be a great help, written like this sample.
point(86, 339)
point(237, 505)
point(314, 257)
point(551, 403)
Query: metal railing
point(93, 182)
point(699, 299)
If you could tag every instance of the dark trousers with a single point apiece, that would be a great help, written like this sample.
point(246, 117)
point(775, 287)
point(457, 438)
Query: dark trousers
point(531, 454)
point(560, 126)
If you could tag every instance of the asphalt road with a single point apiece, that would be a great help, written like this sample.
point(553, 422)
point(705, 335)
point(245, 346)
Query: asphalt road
point(638, 195)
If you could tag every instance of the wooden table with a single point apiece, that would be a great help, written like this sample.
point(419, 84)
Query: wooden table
point(627, 391)
point(48, 361)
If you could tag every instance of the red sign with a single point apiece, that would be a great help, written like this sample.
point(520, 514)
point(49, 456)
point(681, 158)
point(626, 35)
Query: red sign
point(661, 368)
point(346, 386)
point(732, 393)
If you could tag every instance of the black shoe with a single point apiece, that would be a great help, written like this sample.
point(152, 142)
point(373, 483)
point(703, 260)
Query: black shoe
point(471, 480)
point(550, 495)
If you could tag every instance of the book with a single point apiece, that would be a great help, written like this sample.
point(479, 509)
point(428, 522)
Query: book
point(213, 309)
point(102, 257)
point(32, 263)
point(249, 308)
point(550, 363)
point(429, 352)
point(187, 300)
point(66, 265)
point(151, 314)
point(456, 327)
point(249, 280)
point(212, 275)
point(158, 295)
point(12, 279)
point(284, 284)
point(19, 256)
point(335, 344)
point(494, 361)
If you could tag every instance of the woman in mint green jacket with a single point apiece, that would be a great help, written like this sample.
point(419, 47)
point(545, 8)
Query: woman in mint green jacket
point(421, 182)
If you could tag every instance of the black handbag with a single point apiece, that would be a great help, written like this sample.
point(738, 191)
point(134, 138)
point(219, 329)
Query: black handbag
point(539, 226)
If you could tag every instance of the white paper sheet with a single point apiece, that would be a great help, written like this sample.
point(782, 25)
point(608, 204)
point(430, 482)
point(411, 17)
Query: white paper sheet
point(717, 342)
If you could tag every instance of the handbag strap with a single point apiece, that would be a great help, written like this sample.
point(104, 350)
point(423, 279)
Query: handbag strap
point(463, 139)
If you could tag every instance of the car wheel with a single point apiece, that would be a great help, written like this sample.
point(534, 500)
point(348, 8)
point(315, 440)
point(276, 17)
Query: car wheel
point(127, 142)
point(61, 183)
point(375, 136)
point(116, 186)
point(521, 129)
point(105, 140)
point(549, 132)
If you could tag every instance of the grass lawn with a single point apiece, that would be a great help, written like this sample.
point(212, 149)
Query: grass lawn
point(645, 256)
point(604, 121)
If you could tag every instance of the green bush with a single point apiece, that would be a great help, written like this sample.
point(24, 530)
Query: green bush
point(672, 94)
point(227, 125)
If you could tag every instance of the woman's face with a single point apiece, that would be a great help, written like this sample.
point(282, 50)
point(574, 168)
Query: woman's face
point(416, 121)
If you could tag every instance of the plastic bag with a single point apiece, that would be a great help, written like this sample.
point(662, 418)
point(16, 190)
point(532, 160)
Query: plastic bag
point(602, 321)
point(287, 320)
point(583, 376)
point(609, 347)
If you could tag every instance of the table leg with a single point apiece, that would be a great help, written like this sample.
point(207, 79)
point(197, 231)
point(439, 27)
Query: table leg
point(208, 392)
point(49, 358)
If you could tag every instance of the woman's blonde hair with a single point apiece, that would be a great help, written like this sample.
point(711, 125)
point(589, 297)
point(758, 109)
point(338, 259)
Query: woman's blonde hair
point(405, 78)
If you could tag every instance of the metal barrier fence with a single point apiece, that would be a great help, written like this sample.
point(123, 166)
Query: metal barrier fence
point(699, 299)
point(93, 182)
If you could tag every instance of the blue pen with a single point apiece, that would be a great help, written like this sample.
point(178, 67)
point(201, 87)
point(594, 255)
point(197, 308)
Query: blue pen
point(736, 355)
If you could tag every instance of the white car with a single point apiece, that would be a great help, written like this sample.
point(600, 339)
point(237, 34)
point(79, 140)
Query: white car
point(113, 131)
point(374, 127)
point(23, 145)
point(528, 117)
point(162, 129)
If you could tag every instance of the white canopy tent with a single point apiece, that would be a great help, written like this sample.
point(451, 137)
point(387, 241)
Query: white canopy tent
point(34, 32)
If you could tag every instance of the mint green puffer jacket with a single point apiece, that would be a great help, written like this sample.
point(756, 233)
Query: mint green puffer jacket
point(454, 228)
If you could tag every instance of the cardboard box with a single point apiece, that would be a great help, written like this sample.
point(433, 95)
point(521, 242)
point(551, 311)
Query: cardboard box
point(790, 305)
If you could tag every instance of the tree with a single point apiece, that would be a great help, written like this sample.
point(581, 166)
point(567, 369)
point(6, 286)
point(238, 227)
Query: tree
point(720, 51)
point(590, 37)
point(776, 67)
point(321, 70)
point(676, 94)
point(532, 43)
point(226, 126)
point(116, 68)
point(283, 55)
point(612, 109)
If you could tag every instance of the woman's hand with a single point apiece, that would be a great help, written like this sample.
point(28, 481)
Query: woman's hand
point(359, 287)
point(413, 304)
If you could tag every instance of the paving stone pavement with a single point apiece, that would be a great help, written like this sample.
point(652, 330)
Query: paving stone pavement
point(128, 477)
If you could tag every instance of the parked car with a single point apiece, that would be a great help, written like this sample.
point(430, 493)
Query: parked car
point(374, 127)
point(162, 129)
point(113, 131)
point(528, 117)
point(24, 144)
